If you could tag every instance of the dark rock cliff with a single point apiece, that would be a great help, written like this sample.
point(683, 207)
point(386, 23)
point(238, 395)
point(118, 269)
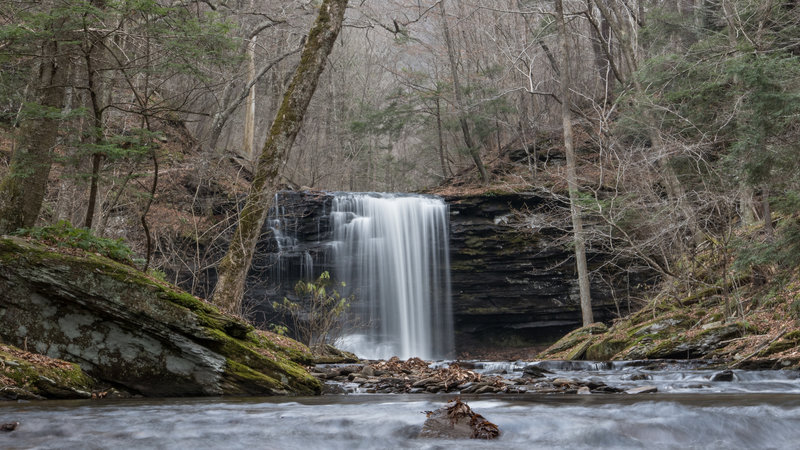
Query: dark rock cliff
point(513, 278)
point(513, 274)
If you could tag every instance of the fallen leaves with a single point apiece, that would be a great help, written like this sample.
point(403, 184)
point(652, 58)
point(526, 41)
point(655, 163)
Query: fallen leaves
point(34, 358)
point(481, 428)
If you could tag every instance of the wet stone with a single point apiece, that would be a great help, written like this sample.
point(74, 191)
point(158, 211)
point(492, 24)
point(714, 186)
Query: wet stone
point(535, 372)
point(642, 390)
point(457, 421)
point(11, 426)
point(487, 389)
point(564, 382)
point(725, 375)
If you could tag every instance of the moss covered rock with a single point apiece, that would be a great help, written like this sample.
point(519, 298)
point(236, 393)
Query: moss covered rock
point(125, 328)
point(25, 375)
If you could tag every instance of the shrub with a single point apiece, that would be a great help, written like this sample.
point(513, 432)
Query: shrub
point(319, 313)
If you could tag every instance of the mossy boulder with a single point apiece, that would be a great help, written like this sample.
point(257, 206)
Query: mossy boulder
point(25, 376)
point(127, 329)
point(574, 345)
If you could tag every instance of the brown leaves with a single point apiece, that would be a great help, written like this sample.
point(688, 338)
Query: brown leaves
point(396, 365)
point(481, 428)
point(34, 358)
point(455, 375)
point(5, 381)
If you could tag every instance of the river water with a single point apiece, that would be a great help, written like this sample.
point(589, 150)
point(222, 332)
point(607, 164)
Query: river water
point(758, 410)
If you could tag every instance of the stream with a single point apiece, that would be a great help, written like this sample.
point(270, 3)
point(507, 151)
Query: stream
point(754, 410)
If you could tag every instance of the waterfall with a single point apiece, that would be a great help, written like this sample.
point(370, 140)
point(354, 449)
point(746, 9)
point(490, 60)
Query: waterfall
point(392, 251)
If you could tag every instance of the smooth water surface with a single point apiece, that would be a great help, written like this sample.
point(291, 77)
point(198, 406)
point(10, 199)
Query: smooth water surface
point(658, 421)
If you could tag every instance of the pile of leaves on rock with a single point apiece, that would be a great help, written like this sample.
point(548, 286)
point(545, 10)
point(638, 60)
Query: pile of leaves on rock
point(457, 421)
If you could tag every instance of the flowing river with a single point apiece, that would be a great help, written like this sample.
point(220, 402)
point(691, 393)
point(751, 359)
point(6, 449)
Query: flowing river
point(759, 410)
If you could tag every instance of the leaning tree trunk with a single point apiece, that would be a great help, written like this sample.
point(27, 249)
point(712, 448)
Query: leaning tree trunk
point(572, 178)
point(233, 268)
point(22, 191)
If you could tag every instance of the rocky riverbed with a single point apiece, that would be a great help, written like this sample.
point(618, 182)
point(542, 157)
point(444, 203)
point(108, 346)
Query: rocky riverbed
point(415, 376)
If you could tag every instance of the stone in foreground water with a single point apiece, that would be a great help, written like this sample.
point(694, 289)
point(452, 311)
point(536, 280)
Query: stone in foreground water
point(458, 421)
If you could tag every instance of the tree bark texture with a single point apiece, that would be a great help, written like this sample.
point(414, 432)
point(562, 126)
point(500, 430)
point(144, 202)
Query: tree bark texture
point(234, 266)
point(572, 178)
point(23, 189)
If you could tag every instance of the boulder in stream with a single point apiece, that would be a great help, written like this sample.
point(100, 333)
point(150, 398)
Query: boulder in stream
point(458, 421)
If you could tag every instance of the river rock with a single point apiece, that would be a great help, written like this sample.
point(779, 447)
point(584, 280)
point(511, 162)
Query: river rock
point(130, 330)
point(533, 371)
point(11, 426)
point(564, 382)
point(584, 390)
point(642, 390)
point(725, 375)
point(457, 421)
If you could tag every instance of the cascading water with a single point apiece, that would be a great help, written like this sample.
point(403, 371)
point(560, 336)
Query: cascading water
point(392, 251)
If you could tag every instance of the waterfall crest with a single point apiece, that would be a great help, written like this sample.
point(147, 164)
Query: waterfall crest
point(392, 251)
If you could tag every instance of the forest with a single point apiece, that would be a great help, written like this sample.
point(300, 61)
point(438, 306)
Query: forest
point(159, 131)
point(568, 198)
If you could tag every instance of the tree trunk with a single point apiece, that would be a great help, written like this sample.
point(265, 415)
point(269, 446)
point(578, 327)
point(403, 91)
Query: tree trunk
point(95, 89)
point(572, 179)
point(474, 151)
point(22, 191)
point(92, 53)
point(234, 266)
point(250, 111)
point(766, 211)
point(440, 139)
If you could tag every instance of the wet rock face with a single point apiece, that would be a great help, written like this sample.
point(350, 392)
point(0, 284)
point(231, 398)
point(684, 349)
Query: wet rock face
point(126, 329)
point(513, 277)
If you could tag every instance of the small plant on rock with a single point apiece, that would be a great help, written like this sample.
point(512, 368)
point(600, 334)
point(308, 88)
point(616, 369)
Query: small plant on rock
point(318, 315)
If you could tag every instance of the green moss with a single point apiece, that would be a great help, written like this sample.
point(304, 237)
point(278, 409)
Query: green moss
point(606, 349)
point(777, 347)
point(662, 349)
point(240, 372)
point(793, 336)
point(579, 351)
point(44, 376)
point(574, 344)
point(276, 366)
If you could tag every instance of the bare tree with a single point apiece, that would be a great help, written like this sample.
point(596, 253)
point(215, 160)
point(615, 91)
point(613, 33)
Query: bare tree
point(473, 150)
point(572, 178)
